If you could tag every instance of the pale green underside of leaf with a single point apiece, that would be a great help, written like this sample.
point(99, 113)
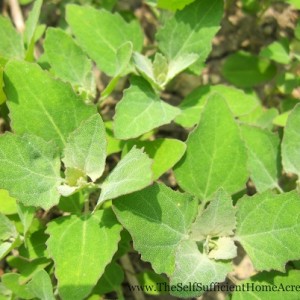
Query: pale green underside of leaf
point(157, 219)
point(263, 153)
point(268, 279)
point(11, 45)
point(131, 174)
point(41, 105)
point(290, 146)
point(191, 107)
point(217, 220)
point(141, 110)
point(194, 267)
point(100, 33)
point(224, 249)
point(164, 152)
point(191, 31)
point(68, 62)
point(81, 247)
point(29, 170)
point(26, 215)
point(86, 148)
point(216, 156)
point(268, 228)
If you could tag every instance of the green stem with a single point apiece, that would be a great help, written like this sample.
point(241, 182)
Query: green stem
point(109, 89)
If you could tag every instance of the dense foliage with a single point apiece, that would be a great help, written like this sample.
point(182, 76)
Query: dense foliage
point(82, 189)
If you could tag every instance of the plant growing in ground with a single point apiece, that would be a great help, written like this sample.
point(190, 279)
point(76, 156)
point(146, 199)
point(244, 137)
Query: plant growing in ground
point(67, 218)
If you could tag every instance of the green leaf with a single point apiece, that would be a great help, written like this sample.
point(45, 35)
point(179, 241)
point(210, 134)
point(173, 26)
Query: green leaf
point(11, 281)
point(281, 119)
point(100, 33)
point(217, 220)
point(69, 62)
point(11, 45)
point(150, 278)
point(7, 228)
point(268, 280)
point(263, 154)
point(193, 267)
point(191, 31)
point(86, 148)
point(81, 247)
point(29, 170)
point(41, 105)
point(131, 174)
point(164, 152)
point(113, 145)
point(141, 110)
point(291, 143)
point(268, 228)
point(32, 23)
point(73, 203)
point(192, 106)
point(173, 4)
point(8, 205)
point(246, 70)
point(277, 51)
point(163, 212)
point(223, 249)
point(110, 281)
point(41, 286)
point(26, 215)
point(216, 155)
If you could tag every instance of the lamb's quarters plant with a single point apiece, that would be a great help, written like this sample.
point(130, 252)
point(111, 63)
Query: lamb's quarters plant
point(80, 188)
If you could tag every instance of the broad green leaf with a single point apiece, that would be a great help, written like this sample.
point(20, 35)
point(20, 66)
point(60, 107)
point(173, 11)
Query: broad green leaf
point(246, 70)
point(191, 31)
point(164, 152)
point(216, 156)
point(27, 268)
point(35, 245)
point(163, 212)
point(8, 205)
point(173, 4)
point(269, 280)
point(141, 110)
point(31, 26)
point(86, 148)
point(41, 286)
point(194, 267)
point(277, 51)
point(29, 170)
point(269, 230)
point(131, 174)
point(11, 45)
point(111, 280)
point(69, 62)
point(191, 107)
point(100, 33)
point(41, 105)
point(217, 220)
point(295, 3)
point(290, 146)
point(81, 247)
point(263, 155)
point(26, 215)
point(11, 281)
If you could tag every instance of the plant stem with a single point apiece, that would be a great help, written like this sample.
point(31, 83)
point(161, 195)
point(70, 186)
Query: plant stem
point(132, 280)
point(16, 15)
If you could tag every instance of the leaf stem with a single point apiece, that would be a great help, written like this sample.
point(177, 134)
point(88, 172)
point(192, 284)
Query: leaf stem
point(132, 280)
